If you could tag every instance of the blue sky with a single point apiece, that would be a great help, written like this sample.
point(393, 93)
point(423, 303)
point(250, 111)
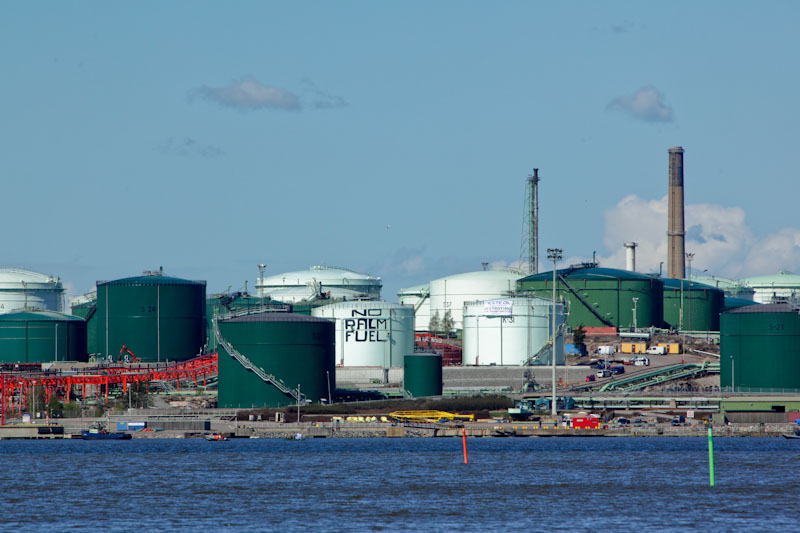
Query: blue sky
point(209, 137)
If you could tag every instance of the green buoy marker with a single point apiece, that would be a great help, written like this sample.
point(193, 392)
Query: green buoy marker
point(710, 458)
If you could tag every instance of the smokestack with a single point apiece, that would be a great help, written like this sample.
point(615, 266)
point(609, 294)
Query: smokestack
point(533, 229)
point(630, 256)
point(676, 265)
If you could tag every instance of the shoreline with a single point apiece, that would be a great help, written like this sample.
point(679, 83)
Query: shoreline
point(488, 429)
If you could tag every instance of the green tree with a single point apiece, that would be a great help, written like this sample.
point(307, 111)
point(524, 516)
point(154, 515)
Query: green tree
point(435, 323)
point(578, 338)
point(447, 322)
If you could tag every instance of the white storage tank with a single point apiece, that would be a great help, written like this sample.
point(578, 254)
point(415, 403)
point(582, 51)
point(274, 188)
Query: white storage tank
point(511, 331)
point(370, 333)
point(326, 278)
point(418, 297)
point(782, 287)
point(452, 292)
point(23, 289)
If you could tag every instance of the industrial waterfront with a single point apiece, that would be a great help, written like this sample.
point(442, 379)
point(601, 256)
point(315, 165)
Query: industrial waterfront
point(580, 350)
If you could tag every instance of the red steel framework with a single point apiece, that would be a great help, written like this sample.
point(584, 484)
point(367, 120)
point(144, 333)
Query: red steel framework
point(19, 385)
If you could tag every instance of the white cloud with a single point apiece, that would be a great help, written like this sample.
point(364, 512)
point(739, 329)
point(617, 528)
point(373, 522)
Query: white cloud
point(248, 94)
point(645, 104)
point(719, 237)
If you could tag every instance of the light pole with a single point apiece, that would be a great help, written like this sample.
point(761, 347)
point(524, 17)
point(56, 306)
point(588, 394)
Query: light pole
point(634, 312)
point(732, 374)
point(689, 257)
point(555, 255)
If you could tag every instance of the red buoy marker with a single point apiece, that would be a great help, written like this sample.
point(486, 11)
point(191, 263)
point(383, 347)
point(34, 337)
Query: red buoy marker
point(464, 439)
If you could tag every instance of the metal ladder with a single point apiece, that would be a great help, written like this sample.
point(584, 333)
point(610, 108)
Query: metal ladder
point(258, 371)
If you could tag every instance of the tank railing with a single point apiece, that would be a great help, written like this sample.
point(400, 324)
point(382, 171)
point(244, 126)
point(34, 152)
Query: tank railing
point(584, 302)
point(277, 308)
point(258, 371)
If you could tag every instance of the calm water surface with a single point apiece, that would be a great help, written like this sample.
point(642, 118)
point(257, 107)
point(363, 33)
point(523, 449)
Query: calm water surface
point(568, 484)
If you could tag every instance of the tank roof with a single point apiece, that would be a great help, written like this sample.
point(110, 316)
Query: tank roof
point(782, 307)
point(672, 283)
point(497, 273)
point(782, 278)
point(416, 289)
point(716, 281)
point(150, 280)
point(732, 302)
point(17, 275)
point(596, 273)
point(275, 317)
point(320, 273)
point(39, 316)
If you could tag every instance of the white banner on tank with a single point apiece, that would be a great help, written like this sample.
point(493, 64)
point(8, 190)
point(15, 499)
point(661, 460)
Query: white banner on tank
point(497, 308)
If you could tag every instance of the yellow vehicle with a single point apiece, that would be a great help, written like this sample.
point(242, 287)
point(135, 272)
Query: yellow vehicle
point(430, 416)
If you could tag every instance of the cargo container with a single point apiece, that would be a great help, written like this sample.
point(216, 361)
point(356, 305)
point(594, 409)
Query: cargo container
point(633, 347)
point(586, 422)
point(605, 350)
point(673, 348)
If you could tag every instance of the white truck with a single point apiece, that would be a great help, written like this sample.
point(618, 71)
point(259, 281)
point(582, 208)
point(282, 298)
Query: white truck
point(657, 350)
point(605, 350)
point(640, 360)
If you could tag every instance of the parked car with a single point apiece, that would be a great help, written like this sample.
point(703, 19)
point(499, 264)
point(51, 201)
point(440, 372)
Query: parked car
point(623, 421)
point(641, 360)
point(679, 420)
point(617, 369)
point(590, 377)
point(604, 373)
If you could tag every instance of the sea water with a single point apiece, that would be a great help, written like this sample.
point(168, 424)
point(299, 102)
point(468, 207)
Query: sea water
point(326, 485)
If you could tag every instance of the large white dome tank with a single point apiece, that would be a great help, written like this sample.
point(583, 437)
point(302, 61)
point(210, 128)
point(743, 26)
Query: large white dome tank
point(452, 292)
point(370, 333)
point(21, 289)
point(418, 297)
point(511, 332)
point(326, 277)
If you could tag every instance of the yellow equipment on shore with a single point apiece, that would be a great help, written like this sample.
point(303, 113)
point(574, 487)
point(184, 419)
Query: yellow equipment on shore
point(430, 416)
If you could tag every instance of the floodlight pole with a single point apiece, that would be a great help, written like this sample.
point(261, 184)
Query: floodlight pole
point(555, 255)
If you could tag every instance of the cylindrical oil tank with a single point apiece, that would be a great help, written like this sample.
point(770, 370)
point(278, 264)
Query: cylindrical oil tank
point(41, 337)
point(602, 296)
point(422, 374)
point(452, 292)
point(733, 303)
point(511, 331)
point(87, 310)
point(418, 297)
point(760, 348)
point(326, 278)
point(22, 290)
point(224, 304)
point(295, 350)
point(159, 318)
point(370, 333)
point(698, 303)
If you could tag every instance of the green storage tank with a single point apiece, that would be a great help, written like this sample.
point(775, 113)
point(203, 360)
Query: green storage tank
point(225, 304)
point(422, 374)
point(760, 348)
point(601, 297)
point(733, 303)
point(701, 303)
point(88, 312)
point(159, 318)
point(42, 337)
point(292, 349)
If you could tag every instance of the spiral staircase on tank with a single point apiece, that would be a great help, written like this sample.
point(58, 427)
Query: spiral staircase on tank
point(267, 378)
